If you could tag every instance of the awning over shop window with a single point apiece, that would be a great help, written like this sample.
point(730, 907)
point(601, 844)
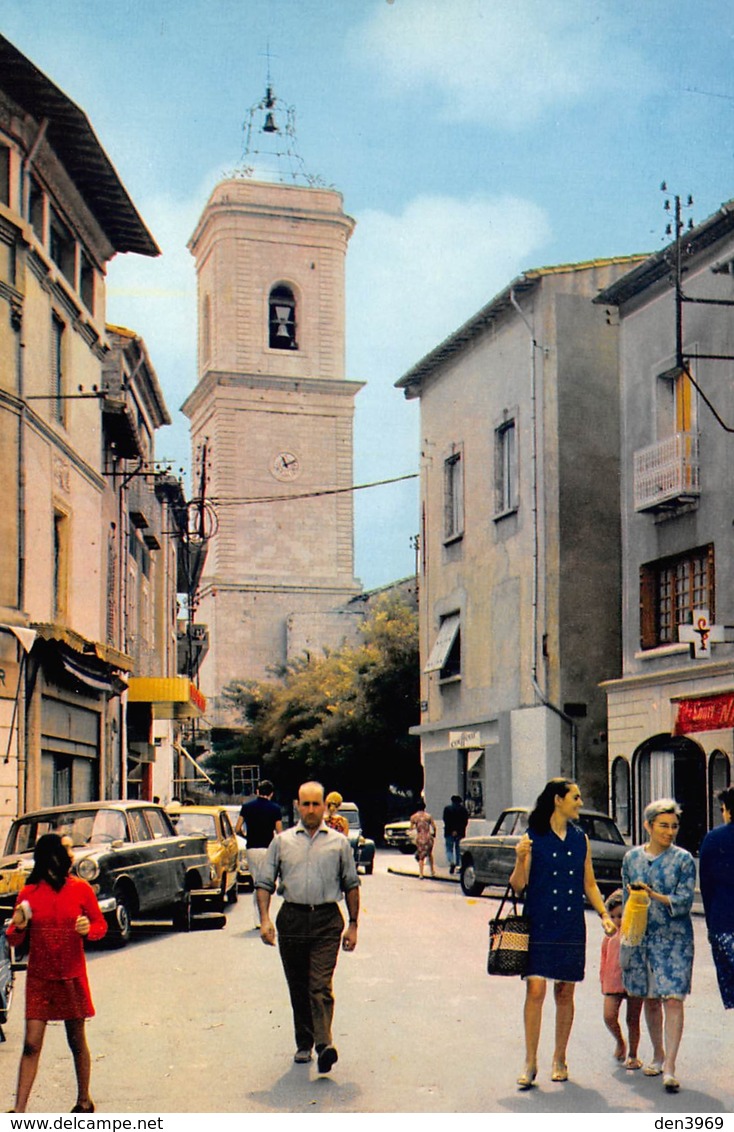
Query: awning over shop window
point(172, 697)
point(93, 675)
point(111, 656)
point(473, 757)
point(25, 636)
point(442, 645)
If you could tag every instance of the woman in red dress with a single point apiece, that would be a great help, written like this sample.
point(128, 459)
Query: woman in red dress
point(61, 911)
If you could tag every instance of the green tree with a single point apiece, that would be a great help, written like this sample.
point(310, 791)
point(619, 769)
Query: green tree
point(344, 718)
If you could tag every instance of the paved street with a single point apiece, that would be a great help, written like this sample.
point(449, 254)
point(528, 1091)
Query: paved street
point(201, 1023)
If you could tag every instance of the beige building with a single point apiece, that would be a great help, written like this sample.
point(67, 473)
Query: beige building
point(520, 577)
point(671, 706)
point(81, 588)
point(273, 414)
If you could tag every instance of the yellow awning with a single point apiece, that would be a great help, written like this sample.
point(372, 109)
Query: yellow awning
point(172, 697)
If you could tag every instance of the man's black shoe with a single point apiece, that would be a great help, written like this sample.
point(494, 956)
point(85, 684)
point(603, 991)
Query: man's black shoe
point(327, 1057)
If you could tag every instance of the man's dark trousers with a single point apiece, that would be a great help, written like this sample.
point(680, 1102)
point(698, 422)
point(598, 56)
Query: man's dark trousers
point(308, 940)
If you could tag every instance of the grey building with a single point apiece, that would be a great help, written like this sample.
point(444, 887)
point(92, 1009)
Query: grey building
point(671, 712)
point(519, 582)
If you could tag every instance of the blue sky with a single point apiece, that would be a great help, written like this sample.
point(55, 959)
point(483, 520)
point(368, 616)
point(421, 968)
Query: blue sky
point(471, 139)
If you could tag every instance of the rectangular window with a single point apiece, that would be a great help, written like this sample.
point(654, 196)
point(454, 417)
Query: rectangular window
point(506, 495)
point(35, 208)
point(57, 369)
point(670, 589)
point(61, 246)
point(453, 478)
point(86, 282)
point(60, 565)
point(4, 175)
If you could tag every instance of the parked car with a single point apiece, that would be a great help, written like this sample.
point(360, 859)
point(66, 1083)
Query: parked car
point(364, 847)
point(212, 822)
point(397, 836)
point(489, 860)
point(244, 876)
point(137, 864)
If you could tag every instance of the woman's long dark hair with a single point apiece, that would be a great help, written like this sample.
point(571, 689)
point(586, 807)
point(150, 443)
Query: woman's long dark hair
point(545, 803)
point(51, 862)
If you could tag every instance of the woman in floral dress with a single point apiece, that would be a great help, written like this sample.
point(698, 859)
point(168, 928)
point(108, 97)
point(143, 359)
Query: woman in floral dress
point(659, 968)
point(425, 837)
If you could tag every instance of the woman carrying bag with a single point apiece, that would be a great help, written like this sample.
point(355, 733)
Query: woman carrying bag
point(658, 966)
point(554, 868)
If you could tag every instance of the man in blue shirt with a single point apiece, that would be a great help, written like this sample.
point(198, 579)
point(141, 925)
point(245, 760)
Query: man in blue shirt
point(262, 819)
point(314, 867)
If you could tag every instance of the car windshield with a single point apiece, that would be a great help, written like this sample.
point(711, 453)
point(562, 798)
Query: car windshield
point(600, 829)
point(201, 824)
point(84, 827)
point(352, 817)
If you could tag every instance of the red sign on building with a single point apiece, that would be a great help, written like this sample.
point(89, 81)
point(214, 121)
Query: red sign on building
point(708, 713)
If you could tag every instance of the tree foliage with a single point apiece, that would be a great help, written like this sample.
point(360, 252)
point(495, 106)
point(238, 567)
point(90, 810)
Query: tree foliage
point(343, 718)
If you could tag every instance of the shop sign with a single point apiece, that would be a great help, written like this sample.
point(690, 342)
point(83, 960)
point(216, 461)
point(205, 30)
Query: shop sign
point(463, 740)
point(8, 679)
point(708, 713)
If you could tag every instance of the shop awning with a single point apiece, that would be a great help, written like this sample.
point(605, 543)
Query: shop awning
point(80, 644)
point(171, 697)
point(442, 645)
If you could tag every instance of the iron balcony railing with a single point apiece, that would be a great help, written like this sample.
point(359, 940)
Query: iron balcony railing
point(667, 473)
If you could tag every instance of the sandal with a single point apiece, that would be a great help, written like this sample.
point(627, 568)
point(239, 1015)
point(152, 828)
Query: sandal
point(671, 1084)
point(654, 1069)
point(633, 1063)
point(526, 1080)
point(560, 1071)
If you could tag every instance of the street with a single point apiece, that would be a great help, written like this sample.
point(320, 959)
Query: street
point(202, 1023)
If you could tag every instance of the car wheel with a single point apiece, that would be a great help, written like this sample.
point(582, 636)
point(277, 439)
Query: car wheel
point(182, 913)
point(369, 868)
point(232, 895)
point(407, 849)
point(119, 922)
point(470, 886)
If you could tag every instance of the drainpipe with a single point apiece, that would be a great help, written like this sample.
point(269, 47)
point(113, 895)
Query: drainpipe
point(535, 601)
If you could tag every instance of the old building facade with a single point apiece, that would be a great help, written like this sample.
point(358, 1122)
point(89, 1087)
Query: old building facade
point(671, 711)
point(74, 576)
point(519, 579)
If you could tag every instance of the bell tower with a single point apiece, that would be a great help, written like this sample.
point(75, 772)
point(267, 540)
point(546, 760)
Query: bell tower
point(273, 411)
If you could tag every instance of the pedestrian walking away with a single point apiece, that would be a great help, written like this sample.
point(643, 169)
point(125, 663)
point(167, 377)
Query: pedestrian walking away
point(61, 911)
point(554, 869)
point(425, 838)
point(716, 877)
point(455, 821)
point(612, 987)
point(658, 966)
point(259, 819)
point(313, 867)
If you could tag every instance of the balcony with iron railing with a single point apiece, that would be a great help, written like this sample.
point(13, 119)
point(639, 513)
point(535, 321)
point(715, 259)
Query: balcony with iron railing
point(666, 474)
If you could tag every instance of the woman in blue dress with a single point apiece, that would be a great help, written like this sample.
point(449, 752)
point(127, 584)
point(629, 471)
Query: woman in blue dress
point(554, 867)
point(658, 968)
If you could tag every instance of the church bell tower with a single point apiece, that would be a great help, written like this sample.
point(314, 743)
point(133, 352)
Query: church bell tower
point(273, 411)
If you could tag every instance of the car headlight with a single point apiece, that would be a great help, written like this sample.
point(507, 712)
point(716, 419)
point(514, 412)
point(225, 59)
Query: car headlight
point(88, 869)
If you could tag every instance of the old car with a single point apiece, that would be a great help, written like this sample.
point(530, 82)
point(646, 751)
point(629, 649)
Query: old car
point(364, 847)
point(397, 836)
point(489, 860)
point(213, 823)
point(244, 876)
point(137, 864)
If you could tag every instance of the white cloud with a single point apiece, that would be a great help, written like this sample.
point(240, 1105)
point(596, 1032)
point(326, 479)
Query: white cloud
point(503, 62)
point(413, 278)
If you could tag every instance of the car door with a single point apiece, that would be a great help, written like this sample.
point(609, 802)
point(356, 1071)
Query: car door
point(163, 873)
point(498, 857)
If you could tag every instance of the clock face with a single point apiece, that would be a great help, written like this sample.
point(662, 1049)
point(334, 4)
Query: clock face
point(285, 466)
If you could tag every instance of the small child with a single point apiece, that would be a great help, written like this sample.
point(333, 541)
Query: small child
point(613, 990)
